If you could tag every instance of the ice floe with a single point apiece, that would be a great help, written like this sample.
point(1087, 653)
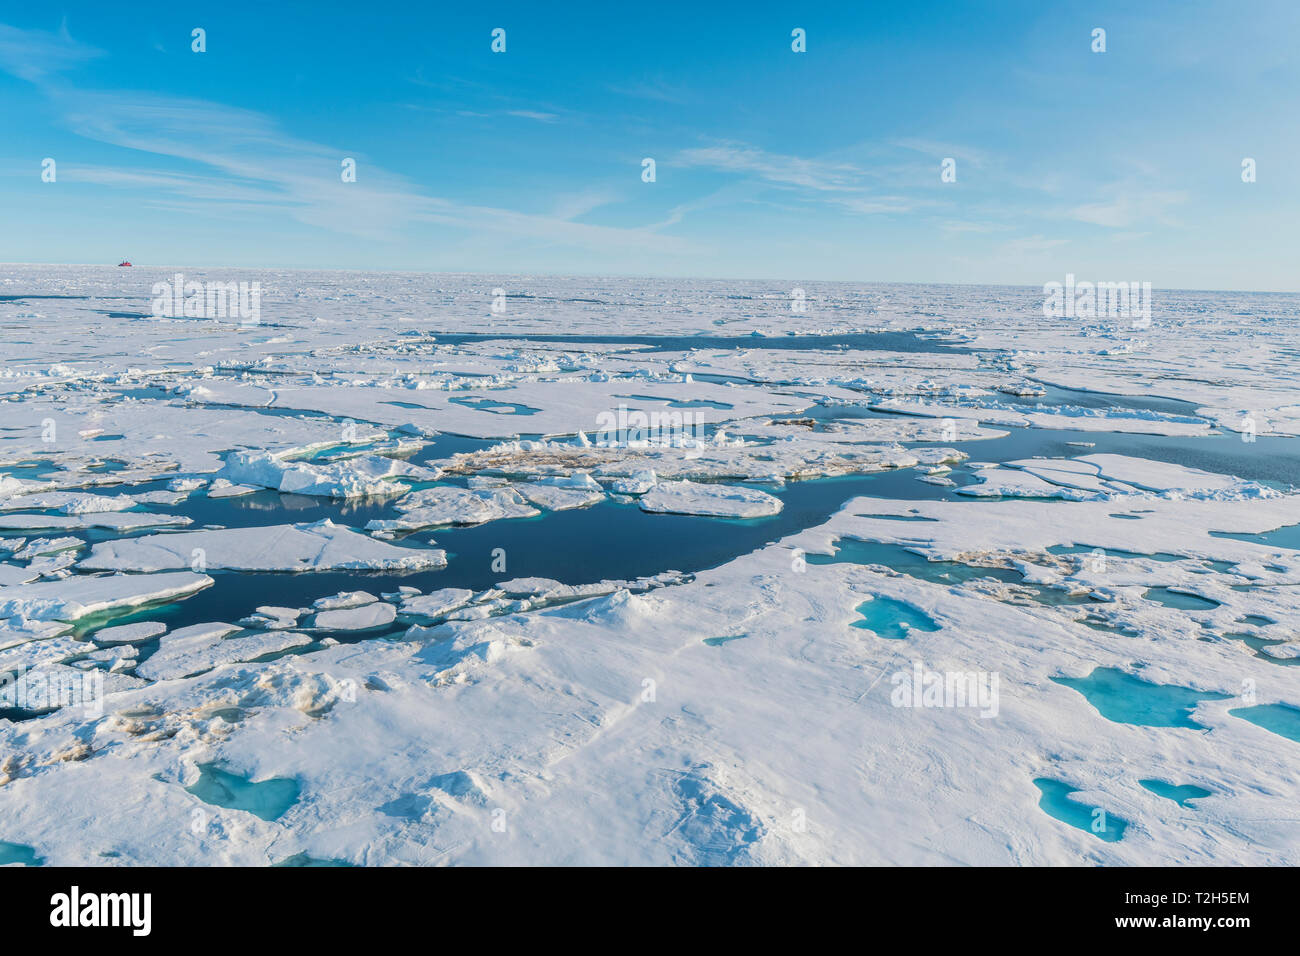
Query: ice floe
point(321, 546)
point(448, 504)
point(362, 618)
point(130, 633)
point(73, 598)
point(1092, 477)
point(202, 647)
point(365, 476)
point(695, 498)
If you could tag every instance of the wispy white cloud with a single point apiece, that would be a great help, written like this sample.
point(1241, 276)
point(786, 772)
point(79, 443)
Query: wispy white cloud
point(960, 226)
point(833, 182)
point(208, 189)
point(973, 157)
point(575, 205)
point(246, 160)
point(39, 55)
point(1030, 246)
point(873, 205)
point(652, 89)
point(773, 167)
point(540, 116)
point(1130, 205)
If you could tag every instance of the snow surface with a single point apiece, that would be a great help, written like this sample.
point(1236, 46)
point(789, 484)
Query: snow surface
point(692, 498)
point(361, 618)
point(451, 505)
point(322, 546)
point(729, 715)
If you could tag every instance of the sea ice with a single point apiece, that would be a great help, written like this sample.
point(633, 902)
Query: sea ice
point(72, 598)
point(444, 505)
point(135, 633)
point(364, 476)
point(610, 700)
point(689, 497)
point(362, 618)
point(322, 546)
point(579, 490)
point(192, 650)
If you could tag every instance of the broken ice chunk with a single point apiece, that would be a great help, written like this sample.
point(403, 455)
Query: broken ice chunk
point(322, 546)
point(136, 633)
point(694, 498)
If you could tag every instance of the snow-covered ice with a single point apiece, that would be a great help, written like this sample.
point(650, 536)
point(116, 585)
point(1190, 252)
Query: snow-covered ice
point(205, 646)
point(451, 505)
point(940, 481)
point(130, 633)
point(694, 498)
point(322, 546)
point(361, 618)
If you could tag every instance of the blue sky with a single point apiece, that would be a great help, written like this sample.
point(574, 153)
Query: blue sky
point(770, 164)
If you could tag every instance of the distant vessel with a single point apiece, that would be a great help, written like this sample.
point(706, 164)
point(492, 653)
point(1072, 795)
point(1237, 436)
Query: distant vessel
point(125, 262)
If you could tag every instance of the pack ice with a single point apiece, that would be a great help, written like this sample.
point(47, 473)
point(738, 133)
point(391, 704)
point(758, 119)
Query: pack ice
point(645, 572)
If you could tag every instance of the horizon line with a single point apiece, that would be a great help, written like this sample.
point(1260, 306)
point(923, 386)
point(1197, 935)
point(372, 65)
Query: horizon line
point(603, 275)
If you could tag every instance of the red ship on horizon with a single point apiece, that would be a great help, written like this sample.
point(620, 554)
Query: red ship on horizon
point(124, 262)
